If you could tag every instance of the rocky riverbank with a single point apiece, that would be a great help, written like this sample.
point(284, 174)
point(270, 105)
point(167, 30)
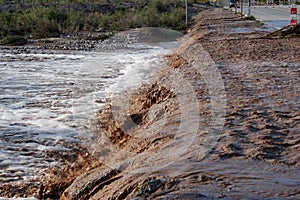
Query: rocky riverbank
point(79, 42)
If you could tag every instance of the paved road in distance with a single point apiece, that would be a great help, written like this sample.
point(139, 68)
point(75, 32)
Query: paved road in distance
point(276, 17)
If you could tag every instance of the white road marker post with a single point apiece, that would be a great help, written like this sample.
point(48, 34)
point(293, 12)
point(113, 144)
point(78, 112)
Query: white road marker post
point(293, 15)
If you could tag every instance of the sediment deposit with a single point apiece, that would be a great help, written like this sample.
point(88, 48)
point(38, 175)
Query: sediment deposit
point(254, 155)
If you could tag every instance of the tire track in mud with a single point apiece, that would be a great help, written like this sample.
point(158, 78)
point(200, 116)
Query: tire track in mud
point(261, 77)
point(263, 111)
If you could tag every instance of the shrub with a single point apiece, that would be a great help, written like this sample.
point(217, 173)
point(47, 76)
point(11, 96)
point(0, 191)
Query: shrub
point(252, 18)
point(13, 40)
point(60, 17)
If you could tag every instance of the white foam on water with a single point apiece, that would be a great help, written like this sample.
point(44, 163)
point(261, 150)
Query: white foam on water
point(139, 68)
point(38, 107)
point(38, 56)
point(47, 99)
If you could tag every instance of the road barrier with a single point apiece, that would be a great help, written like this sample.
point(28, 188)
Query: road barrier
point(293, 15)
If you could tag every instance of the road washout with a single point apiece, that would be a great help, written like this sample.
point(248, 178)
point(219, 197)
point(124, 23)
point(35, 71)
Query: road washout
point(221, 121)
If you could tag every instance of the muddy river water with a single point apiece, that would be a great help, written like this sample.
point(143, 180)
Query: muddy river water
point(48, 97)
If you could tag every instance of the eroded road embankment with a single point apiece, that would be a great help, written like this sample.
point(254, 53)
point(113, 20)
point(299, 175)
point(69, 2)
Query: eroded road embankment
point(221, 121)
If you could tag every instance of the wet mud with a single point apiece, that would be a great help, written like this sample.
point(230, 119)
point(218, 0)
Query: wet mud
point(220, 122)
point(255, 155)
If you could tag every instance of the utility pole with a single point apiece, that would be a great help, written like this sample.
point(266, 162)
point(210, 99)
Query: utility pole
point(186, 12)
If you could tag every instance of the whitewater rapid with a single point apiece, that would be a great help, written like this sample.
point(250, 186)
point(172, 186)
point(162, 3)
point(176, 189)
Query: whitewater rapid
point(47, 99)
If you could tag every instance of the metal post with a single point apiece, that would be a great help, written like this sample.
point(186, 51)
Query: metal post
point(186, 12)
point(241, 8)
point(235, 7)
point(249, 8)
